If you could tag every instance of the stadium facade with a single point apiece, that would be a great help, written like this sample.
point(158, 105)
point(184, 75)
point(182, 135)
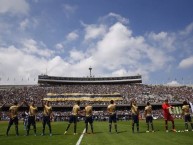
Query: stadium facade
point(55, 80)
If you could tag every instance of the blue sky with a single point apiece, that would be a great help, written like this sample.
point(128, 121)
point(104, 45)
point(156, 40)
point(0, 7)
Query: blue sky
point(117, 38)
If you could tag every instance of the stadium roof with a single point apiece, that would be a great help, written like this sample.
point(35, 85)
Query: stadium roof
point(45, 79)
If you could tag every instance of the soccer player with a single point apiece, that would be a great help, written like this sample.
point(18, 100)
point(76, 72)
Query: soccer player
point(135, 115)
point(88, 118)
point(167, 116)
point(31, 117)
point(47, 115)
point(186, 114)
point(74, 117)
point(111, 109)
point(148, 116)
point(13, 111)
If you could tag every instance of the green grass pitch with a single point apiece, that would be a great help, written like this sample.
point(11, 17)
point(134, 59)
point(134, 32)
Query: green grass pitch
point(101, 136)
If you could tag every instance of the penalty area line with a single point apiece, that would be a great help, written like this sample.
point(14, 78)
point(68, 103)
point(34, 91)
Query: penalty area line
point(80, 139)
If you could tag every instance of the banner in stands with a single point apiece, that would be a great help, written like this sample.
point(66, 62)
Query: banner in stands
point(83, 97)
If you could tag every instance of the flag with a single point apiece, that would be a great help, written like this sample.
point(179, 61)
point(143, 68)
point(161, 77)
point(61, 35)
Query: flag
point(170, 110)
point(177, 110)
point(180, 110)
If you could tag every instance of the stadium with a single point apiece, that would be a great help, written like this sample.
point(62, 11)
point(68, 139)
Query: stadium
point(100, 72)
point(63, 92)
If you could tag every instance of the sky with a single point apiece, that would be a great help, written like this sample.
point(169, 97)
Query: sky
point(153, 38)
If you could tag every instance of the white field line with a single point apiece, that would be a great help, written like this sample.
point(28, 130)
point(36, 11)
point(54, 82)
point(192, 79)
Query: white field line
point(80, 139)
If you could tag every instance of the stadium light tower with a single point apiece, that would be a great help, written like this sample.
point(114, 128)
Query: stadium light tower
point(90, 68)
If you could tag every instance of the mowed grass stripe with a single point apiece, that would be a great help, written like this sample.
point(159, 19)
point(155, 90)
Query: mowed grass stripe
point(125, 135)
point(58, 137)
point(101, 136)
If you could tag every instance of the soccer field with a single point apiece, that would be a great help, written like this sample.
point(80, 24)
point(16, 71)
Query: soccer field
point(101, 135)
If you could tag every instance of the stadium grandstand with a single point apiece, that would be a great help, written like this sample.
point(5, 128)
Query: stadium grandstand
point(64, 91)
point(53, 80)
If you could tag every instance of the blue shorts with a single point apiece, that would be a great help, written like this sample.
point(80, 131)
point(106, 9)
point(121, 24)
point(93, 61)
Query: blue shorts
point(135, 118)
point(149, 119)
point(31, 120)
point(46, 119)
point(112, 118)
point(73, 119)
point(13, 120)
point(187, 118)
point(89, 119)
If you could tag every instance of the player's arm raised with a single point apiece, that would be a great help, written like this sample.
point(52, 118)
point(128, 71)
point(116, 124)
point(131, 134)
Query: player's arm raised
point(43, 104)
point(21, 104)
point(3, 105)
point(26, 103)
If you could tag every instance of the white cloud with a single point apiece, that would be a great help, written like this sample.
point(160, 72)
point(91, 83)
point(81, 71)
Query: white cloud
point(173, 83)
point(14, 7)
point(30, 46)
point(57, 67)
point(119, 48)
point(162, 40)
point(69, 9)
point(76, 55)
point(159, 36)
point(72, 36)
point(118, 17)
point(59, 46)
point(19, 65)
point(94, 31)
point(120, 72)
point(186, 63)
point(119, 51)
point(28, 23)
point(187, 30)
point(114, 17)
point(158, 58)
point(112, 48)
point(24, 24)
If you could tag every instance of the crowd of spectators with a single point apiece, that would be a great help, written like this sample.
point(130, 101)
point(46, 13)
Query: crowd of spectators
point(142, 93)
point(155, 94)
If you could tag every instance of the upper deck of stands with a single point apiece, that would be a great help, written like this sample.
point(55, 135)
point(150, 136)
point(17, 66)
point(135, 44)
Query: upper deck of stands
point(55, 80)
